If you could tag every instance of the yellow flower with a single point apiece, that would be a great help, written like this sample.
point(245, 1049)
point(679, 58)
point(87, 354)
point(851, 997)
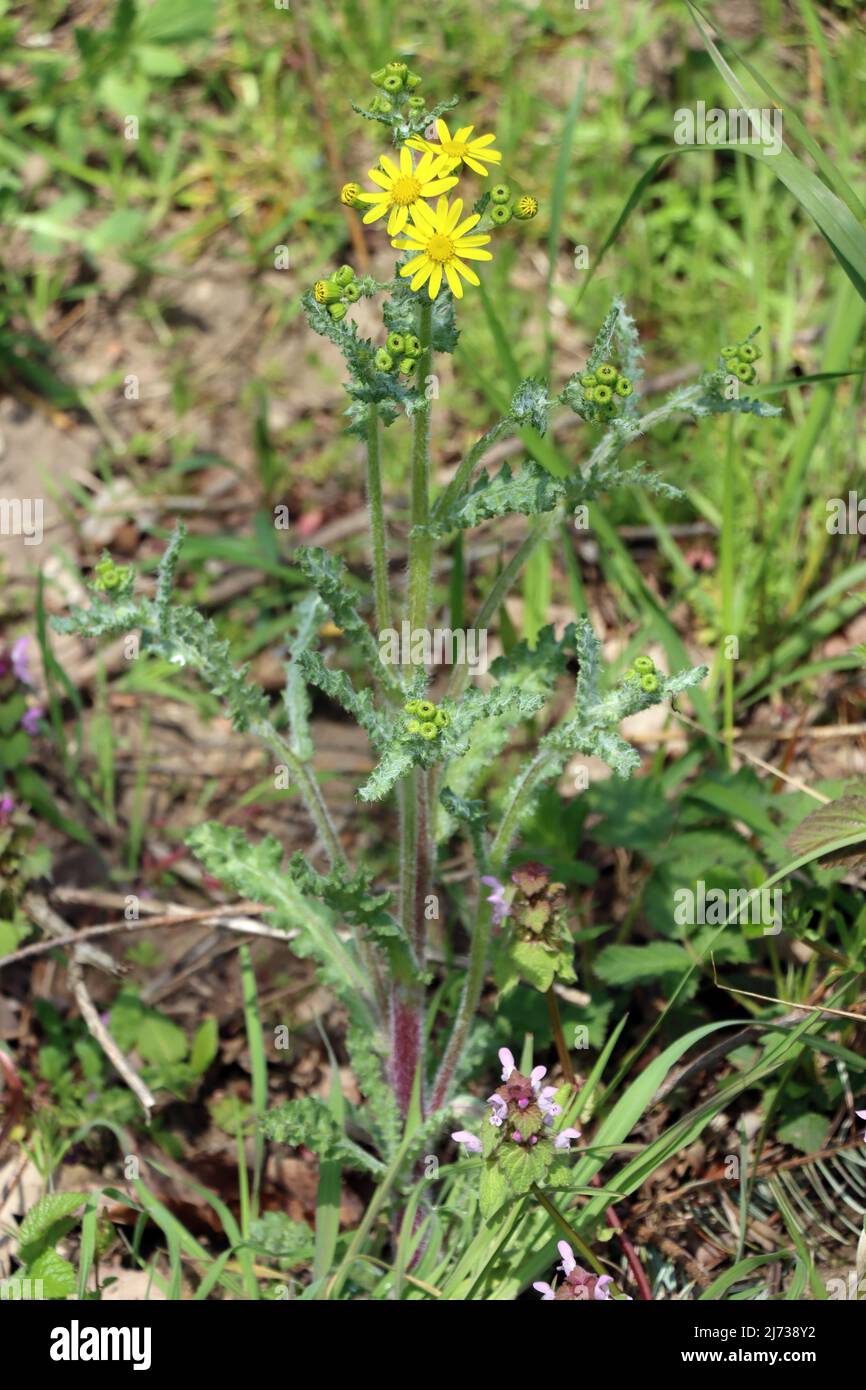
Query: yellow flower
point(403, 188)
point(444, 244)
point(459, 149)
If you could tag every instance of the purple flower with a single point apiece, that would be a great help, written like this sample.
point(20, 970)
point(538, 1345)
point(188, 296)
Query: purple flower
point(601, 1289)
point(547, 1294)
point(19, 661)
point(7, 806)
point(564, 1138)
point(30, 719)
point(506, 1057)
point(568, 1261)
point(497, 899)
point(536, 1076)
point(500, 1109)
point(547, 1105)
point(462, 1136)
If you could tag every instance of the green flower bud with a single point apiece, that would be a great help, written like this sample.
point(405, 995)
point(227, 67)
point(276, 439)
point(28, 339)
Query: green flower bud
point(344, 276)
point(429, 731)
point(623, 386)
point(378, 77)
point(630, 674)
point(326, 292)
point(500, 214)
point(745, 371)
point(416, 103)
point(426, 709)
point(349, 195)
point(730, 351)
point(413, 726)
point(408, 365)
point(109, 577)
point(352, 293)
point(588, 379)
point(412, 80)
point(525, 208)
point(601, 394)
point(748, 353)
point(337, 311)
point(397, 68)
point(393, 83)
point(442, 718)
point(395, 343)
point(589, 393)
point(606, 373)
point(500, 193)
point(384, 362)
point(382, 105)
point(411, 706)
point(644, 664)
point(412, 345)
point(649, 683)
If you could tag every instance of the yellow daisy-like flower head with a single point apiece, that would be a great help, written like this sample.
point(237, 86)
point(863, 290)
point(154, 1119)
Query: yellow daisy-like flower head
point(459, 148)
point(403, 188)
point(444, 245)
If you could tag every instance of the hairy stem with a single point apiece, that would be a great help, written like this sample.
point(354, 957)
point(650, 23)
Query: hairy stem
point(378, 537)
point(309, 788)
point(421, 546)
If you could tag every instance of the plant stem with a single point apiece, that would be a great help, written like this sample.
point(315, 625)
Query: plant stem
point(309, 788)
point(562, 1051)
point(378, 537)
point(472, 987)
point(421, 546)
point(573, 1238)
point(727, 579)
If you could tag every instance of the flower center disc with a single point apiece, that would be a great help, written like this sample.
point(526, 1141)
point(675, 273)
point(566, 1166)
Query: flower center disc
point(440, 248)
point(405, 191)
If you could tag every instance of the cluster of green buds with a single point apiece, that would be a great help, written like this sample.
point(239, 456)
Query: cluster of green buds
point(400, 354)
point(338, 291)
point(111, 578)
point(604, 388)
point(424, 720)
point(504, 205)
point(396, 83)
point(739, 360)
point(645, 672)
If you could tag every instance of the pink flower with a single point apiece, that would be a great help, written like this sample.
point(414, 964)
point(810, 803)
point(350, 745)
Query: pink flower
point(19, 661)
point(7, 806)
point(564, 1138)
point(497, 899)
point(30, 720)
point(506, 1057)
point(462, 1136)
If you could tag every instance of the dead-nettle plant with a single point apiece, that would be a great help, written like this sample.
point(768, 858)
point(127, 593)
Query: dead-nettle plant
point(370, 941)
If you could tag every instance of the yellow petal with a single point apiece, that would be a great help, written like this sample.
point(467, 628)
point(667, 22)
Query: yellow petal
point(465, 226)
point(397, 221)
point(465, 271)
point(374, 197)
point(411, 266)
point(409, 246)
point(435, 281)
point(463, 134)
point(405, 161)
point(389, 166)
point(442, 211)
point(473, 164)
point(473, 253)
point(442, 131)
point(381, 179)
point(454, 282)
point(423, 274)
point(491, 156)
point(430, 190)
point(454, 216)
point(375, 213)
point(482, 140)
point(417, 142)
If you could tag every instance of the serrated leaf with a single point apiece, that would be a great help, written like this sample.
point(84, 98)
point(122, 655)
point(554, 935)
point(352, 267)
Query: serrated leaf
point(56, 1274)
point(631, 965)
point(820, 831)
point(307, 618)
point(46, 1212)
point(529, 492)
point(537, 965)
point(493, 1190)
point(309, 1121)
point(515, 1163)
